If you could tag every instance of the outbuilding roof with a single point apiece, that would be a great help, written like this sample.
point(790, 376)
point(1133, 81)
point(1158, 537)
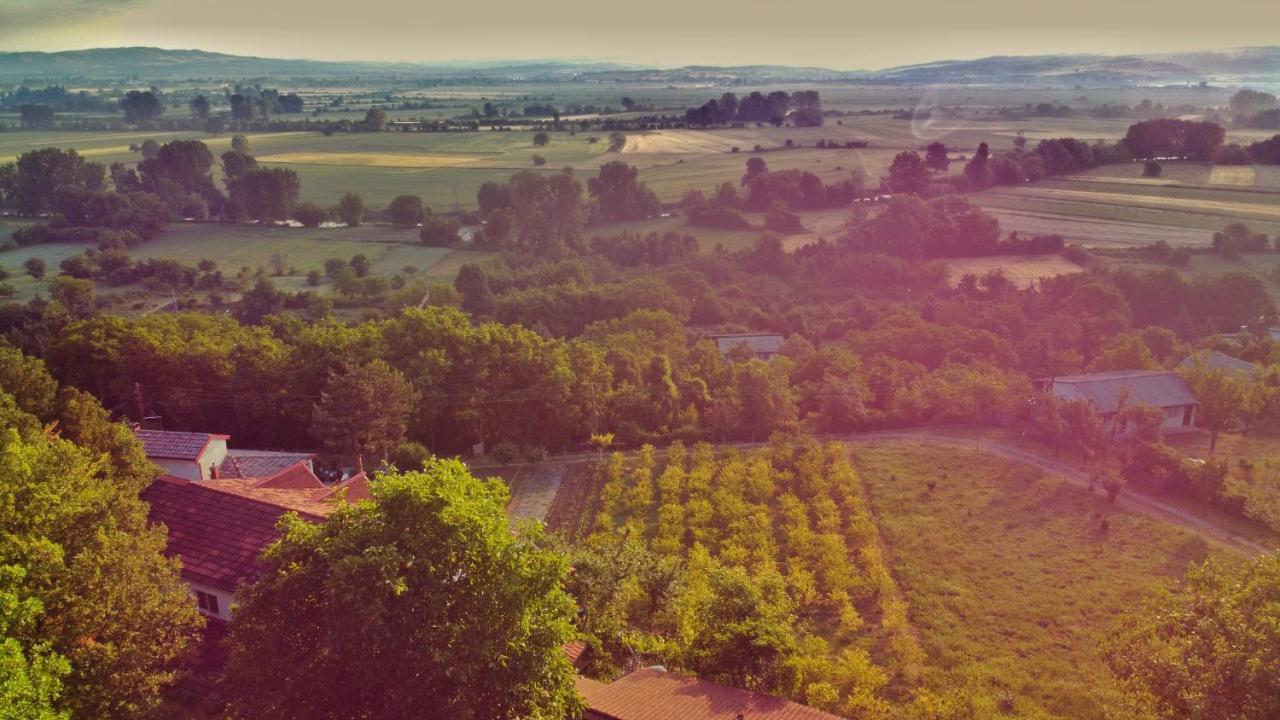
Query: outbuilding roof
point(757, 343)
point(655, 694)
point(259, 463)
point(1215, 360)
point(176, 445)
point(1158, 388)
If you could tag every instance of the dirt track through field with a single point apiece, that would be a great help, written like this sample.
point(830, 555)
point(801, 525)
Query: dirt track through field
point(1129, 500)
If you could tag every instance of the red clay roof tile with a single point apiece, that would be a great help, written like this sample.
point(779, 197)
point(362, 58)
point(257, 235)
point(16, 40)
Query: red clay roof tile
point(217, 534)
point(655, 694)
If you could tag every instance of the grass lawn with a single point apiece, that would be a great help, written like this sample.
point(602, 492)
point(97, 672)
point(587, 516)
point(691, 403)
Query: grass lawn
point(1012, 582)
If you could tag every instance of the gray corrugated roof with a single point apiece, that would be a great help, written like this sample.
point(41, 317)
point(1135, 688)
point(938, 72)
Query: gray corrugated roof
point(174, 445)
point(755, 342)
point(1213, 359)
point(1159, 388)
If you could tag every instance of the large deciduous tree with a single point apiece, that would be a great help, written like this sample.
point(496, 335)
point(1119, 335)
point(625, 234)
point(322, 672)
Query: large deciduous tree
point(406, 211)
point(1221, 397)
point(43, 180)
point(141, 106)
point(350, 209)
point(364, 410)
point(267, 194)
point(88, 596)
point(423, 599)
point(621, 195)
point(907, 174)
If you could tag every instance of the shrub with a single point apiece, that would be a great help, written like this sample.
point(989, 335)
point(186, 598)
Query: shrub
point(1151, 169)
point(1232, 154)
point(781, 220)
point(310, 214)
point(1077, 254)
point(35, 267)
point(539, 160)
point(438, 231)
point(407, 211)
point(714, 216)
point(1237, 238)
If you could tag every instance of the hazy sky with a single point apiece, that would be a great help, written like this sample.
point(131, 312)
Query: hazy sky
point(837, 34)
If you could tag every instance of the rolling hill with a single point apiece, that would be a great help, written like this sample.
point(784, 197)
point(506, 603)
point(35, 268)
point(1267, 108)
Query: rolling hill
point(1259, 66)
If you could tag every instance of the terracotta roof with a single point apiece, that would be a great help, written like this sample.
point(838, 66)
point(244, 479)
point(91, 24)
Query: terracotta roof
point(1158, 388)
point(175, 445)
point(655, 694)
point(259, 463)
point(218, 535)
point(356, 487)
point(297, 476)
point(307, 500)
point(573, 650)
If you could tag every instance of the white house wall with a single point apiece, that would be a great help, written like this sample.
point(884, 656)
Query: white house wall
point(224, 600)
point(185, 469)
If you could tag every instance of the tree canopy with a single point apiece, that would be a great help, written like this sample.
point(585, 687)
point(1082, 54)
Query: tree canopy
point(94, 617)
point(1210, 649)
point(422, 598)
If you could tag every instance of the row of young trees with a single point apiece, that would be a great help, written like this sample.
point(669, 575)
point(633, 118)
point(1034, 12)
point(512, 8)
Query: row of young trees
point(757, 570)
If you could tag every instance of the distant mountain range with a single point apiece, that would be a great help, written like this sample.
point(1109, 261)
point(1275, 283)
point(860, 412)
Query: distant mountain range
point(1258, 65)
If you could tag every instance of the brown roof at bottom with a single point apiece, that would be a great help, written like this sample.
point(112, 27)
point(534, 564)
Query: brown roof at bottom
point(655, 694)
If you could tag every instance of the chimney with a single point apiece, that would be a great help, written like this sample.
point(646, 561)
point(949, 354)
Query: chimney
point(213, 472)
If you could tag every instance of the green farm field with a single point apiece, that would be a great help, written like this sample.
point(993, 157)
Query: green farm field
point(251, 247)
point(446, 169)
point(1112, 206)
point(1012, 581)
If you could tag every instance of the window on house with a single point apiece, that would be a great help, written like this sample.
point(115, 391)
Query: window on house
point(207, 602)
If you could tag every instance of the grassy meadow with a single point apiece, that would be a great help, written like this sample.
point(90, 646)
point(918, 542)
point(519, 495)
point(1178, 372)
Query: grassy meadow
point(250, 248)
point(1012, 580)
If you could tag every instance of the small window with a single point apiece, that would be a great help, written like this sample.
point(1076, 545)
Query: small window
point(207, 602)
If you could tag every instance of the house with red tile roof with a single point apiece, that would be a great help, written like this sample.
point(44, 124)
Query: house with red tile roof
point(655, 694)
point(201, 456)
point(219, 527)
